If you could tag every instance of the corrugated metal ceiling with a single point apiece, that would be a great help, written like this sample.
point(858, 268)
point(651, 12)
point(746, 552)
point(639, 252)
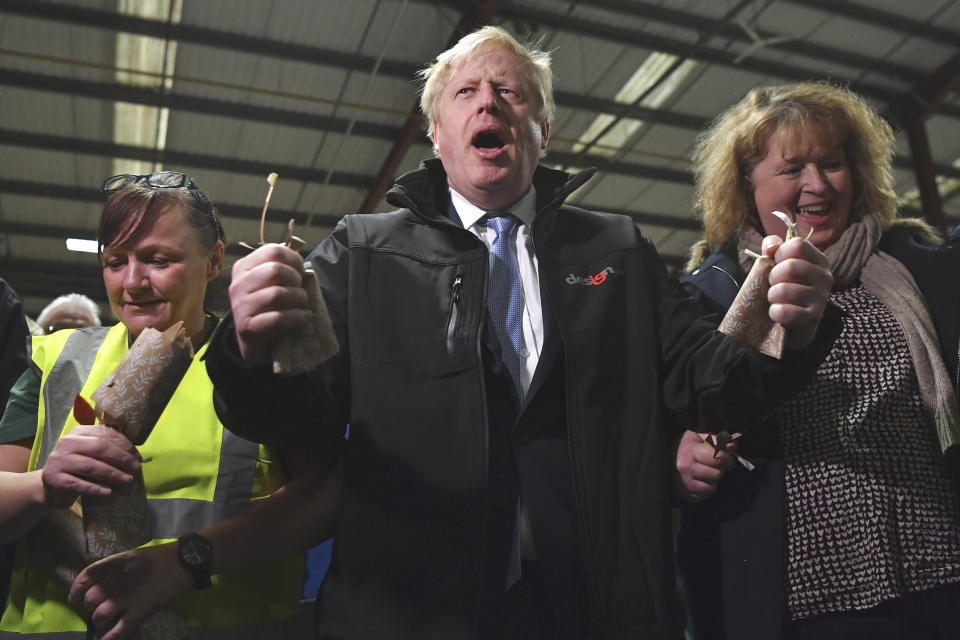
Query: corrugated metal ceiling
point(260, 86)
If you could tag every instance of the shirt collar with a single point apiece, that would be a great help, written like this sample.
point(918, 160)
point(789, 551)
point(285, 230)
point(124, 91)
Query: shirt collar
point(525, 208)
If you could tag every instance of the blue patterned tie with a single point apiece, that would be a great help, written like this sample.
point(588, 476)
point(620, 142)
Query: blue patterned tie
point(505, 305)
point(505, 296)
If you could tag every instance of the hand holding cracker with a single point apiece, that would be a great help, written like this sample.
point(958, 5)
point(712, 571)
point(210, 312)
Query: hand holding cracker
point(278, 307)
point(787, 289)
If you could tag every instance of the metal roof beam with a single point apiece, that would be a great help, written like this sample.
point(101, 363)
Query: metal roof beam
point(709, 26)
point(92, 195)
point(111, 20)
point(173, 157)
point(649, 172)
point(626, 36)
point(625, 110)
point(946, 170)
point(926, 94)
point(152, 97)
point(288, 117)
point(176, 158)
point(862, 12)
point(688, 223)
point(316, 55)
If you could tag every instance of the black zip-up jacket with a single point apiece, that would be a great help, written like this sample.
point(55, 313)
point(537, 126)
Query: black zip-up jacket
point(413, 556)
point(13, 360)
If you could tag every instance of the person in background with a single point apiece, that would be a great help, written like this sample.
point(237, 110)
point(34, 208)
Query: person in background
point(231, 516)
point(13, 360)
point(69, 311)
point(849, 527)
point(13, 341)
point(508, 367)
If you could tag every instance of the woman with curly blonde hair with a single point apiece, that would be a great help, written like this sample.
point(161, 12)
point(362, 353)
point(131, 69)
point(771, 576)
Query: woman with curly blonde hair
point(849, 524)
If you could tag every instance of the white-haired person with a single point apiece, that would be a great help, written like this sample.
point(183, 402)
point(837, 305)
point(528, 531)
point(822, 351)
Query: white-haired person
point(69, 311)
point(508, 367)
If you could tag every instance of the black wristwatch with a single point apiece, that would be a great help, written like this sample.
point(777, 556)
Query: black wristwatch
point(195, 554)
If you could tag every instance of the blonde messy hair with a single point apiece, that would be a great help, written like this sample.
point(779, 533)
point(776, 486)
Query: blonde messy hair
point(535, 64)
point(736, 141)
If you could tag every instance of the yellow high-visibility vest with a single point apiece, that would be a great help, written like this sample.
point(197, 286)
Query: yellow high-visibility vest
point(198, 474)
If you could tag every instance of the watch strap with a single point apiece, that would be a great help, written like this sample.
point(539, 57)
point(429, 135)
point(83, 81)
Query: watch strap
point(195, 554)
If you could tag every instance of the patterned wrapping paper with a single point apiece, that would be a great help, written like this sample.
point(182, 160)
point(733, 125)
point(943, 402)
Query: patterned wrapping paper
point(117, 522)
point(57, 544)
point(314, 342)
point(131, 400)
point(136, 392)
point(748, 318)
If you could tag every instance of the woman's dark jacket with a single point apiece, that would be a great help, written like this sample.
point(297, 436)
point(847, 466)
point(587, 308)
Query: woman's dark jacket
point(13, 341)
point(732, 546)
point(415, 552)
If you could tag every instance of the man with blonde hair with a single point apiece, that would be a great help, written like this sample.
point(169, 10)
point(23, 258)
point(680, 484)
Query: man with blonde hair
point(509, 366)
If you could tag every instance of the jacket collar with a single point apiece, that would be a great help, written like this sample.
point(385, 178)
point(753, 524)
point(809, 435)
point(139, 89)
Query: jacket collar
point(424, 190)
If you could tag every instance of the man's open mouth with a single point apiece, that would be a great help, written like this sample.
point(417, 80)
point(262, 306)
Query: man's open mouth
point(488, 140)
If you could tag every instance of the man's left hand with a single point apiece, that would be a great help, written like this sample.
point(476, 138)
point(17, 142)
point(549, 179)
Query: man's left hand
point(800, 285)
point(122, 590)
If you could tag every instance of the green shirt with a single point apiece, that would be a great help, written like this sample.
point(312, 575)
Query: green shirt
point(19, 420)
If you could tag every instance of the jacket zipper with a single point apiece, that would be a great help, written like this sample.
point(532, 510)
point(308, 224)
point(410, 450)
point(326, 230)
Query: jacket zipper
point(574, 439)
point(454, 317)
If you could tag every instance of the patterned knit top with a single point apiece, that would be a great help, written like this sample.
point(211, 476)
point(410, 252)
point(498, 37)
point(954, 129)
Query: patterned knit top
point(873, 512)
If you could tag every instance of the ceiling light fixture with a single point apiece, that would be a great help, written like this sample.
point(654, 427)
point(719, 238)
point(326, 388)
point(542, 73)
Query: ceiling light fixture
point(83, 246)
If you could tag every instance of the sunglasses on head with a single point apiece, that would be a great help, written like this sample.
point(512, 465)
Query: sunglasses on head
point(159, 180)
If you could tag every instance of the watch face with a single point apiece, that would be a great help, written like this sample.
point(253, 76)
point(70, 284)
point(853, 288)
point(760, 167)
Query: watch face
point(194, 551)
point(195, 554)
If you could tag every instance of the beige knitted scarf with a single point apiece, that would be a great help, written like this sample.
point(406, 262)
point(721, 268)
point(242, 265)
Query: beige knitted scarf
point(855, 255)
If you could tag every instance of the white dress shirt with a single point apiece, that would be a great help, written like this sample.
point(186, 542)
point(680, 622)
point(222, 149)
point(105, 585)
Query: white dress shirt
point(524, 210)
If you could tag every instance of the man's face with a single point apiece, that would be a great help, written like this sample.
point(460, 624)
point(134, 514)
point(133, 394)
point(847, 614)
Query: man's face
point(486, 130)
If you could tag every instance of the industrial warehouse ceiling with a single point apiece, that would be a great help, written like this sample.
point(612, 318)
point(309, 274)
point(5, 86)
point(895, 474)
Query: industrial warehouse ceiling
point(321, 92)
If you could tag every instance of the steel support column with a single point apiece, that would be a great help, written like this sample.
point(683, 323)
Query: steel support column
point(925, 175)
point(910, 111)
